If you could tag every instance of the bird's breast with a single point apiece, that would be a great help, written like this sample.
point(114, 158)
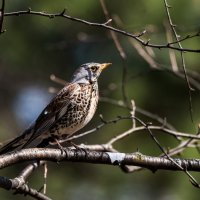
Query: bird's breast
point(91, 106)
point(80, 111)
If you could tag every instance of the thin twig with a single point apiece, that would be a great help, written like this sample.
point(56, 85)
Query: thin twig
point(58, 80)
point(185, 38)
point(184, 144)
point(172, 55)
point(101, 25)
point(160, 128)
point(132, 130)
point(182, 56)
point(142, 52)
point(2, 15)
point(45, 178)
point(191, 178)
point(120, 50)
point(142, 111)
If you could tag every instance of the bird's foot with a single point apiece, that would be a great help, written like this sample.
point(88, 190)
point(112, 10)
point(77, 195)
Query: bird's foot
point(78, 147)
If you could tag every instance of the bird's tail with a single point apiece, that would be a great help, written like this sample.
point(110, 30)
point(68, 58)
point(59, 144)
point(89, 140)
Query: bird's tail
point(16, 143)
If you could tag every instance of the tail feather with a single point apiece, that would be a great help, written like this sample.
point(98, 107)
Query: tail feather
point(16, 143)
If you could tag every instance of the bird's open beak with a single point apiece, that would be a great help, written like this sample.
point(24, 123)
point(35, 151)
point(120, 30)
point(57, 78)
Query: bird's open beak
point(105, 65)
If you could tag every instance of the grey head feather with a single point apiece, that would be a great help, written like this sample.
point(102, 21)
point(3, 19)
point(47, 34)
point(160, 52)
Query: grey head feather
point(84, 74)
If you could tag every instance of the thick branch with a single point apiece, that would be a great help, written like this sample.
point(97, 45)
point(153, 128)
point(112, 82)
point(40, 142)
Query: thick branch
point(96, 157)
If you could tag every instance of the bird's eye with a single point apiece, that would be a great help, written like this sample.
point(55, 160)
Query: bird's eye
point(94, 68)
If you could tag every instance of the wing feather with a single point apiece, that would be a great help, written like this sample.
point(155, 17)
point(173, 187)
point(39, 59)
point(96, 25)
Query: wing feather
point(54, 111)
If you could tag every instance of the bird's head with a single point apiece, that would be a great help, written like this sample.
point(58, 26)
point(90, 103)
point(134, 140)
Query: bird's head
point(89, 72)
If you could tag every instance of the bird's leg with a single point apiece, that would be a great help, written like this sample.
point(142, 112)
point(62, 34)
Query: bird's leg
point(55, 139)
point(68, 141)
point(59, 145)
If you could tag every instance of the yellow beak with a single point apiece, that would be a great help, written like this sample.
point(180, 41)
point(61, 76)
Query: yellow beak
point(104, 65)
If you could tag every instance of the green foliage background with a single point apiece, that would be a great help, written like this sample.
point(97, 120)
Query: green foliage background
point(34, 47)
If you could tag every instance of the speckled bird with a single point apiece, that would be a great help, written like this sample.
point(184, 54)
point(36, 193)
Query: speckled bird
point(69, 111)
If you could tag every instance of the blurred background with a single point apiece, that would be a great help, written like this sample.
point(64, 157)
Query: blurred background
point(34, 47)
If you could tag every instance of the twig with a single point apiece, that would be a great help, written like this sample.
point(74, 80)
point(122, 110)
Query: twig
point(101, 25)
point(120, 50)
point(160, 128)
point(191, 178)
point(171, 152)
point(113, 35)
point(119, 118)
point(146, 113)
point(144, 54)
point(58, 80)
point(133, 129)
point(14, 184)
point(183, 144)
point(2, 15)
point(185, 38)
point(133, 113)
point(29, 169)
point(172, 55)
point(45, 178)
point(182, 56)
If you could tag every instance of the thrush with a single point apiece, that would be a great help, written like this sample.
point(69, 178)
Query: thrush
point(69, 111)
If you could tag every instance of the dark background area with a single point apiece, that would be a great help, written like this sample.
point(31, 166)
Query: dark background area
point(34, 47)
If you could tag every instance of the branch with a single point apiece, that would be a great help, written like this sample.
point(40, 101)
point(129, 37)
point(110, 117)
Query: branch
point(146, 113)
point(96, 157)
point(132, 130)
point(29, 169)
point(15, 184)
point(102, 25)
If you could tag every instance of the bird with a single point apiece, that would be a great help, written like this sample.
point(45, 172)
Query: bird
point(69, 111)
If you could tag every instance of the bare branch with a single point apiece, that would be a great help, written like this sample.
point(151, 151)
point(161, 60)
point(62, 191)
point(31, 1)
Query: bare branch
point(191, 178)
point(153, 116)
point(113, 34)
point(182, 56)
point(101, 25)
point(29, 169)
point(58, 80)
point(172, 55)
point(96, 157)
point(144, 54)
point(183, 145)
point(186, 38)
point(15, 184)
point(120, 50)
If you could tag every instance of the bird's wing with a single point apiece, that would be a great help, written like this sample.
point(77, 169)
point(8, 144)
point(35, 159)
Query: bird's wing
point(48, 117)
point(55, 109)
